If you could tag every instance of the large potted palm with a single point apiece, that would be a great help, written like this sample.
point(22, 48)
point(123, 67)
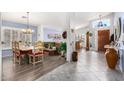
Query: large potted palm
point(63, 46)
point(62, 49)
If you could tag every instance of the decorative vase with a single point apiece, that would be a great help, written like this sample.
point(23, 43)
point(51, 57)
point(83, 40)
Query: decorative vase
point(111, 57)
point(64, 34)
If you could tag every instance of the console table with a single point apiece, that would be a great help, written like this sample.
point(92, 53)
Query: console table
point(120, 50)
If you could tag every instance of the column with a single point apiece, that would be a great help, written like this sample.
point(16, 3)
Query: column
point(70, 38)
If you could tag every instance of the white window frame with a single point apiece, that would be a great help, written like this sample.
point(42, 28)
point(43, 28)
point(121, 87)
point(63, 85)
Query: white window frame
point(96, 21)
point(18, 38)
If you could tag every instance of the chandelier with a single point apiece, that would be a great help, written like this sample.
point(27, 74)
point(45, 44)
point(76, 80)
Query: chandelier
point(100, 23)
point(27, 30)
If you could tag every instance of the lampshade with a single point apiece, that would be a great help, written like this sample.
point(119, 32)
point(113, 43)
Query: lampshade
point(27, 31)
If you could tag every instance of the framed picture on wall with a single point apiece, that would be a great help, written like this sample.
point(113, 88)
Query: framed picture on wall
point(117, 29)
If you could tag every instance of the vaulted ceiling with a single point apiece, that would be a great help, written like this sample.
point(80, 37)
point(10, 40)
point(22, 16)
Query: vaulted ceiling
point(54, 19)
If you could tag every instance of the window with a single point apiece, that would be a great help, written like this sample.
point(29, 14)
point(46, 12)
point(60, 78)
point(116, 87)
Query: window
point(101, 23)
point(6, 38)
point(13, 34)
point(22, 37)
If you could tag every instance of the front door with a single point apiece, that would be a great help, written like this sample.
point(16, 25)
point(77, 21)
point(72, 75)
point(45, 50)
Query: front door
point(103, 39)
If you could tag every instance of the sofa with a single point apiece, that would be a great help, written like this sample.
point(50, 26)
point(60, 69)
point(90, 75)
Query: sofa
point(52, 48)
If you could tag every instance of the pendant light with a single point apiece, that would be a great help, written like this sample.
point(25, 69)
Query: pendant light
point(100, 23)
point(27, 30)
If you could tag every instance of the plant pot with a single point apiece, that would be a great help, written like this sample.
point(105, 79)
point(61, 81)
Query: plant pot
point(64, 34)
point(111, 57)
point(75, 56)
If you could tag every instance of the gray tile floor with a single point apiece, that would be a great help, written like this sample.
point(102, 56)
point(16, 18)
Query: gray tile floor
point(91, 66)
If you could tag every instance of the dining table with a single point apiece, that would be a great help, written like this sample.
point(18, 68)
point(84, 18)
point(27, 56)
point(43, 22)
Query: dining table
point(26, 50)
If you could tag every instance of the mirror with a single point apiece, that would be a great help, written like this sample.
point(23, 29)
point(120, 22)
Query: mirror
point(117, 29)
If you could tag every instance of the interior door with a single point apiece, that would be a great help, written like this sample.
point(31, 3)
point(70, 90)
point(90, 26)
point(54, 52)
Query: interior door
point(103, 39)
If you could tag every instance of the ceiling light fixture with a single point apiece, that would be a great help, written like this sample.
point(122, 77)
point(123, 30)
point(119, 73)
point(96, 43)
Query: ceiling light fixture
point(100, 23)
point(27, 30)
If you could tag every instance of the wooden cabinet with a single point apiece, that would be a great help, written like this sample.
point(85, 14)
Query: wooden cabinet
point(78, 46)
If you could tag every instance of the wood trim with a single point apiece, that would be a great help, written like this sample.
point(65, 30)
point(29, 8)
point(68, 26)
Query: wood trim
point(87, 41)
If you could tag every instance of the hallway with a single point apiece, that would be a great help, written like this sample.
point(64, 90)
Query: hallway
point(91, 66)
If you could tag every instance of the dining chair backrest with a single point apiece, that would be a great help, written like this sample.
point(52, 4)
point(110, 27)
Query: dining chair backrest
point(38, 46)
point(17, 47)
point(38, 43)
point(21, 43)
point(13, 45)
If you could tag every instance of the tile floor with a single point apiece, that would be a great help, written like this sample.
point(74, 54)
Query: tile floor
point(91, 66)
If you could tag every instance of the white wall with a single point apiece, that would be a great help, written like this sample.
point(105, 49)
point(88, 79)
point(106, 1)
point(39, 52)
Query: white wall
point(0, 52)
point(81, 31)
point(40, 33)
point(43, 33)
point(116, 16)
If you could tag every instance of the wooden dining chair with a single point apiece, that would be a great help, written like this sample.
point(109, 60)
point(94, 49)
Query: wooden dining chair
point(37, 54)
point(21, 43)
point(18, 54)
